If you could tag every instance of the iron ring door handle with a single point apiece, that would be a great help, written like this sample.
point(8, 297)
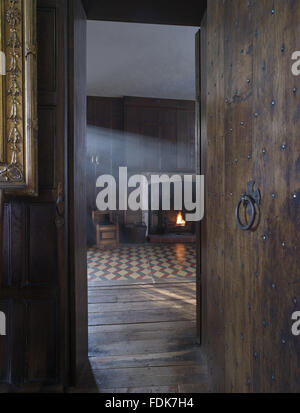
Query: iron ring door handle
point(245, 200)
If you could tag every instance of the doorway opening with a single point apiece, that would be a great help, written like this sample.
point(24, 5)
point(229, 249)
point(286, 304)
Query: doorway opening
point(142, 272)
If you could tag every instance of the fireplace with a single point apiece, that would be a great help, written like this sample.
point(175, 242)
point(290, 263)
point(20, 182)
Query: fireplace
point(168, 226)
point(180, 222)
point(169, 222)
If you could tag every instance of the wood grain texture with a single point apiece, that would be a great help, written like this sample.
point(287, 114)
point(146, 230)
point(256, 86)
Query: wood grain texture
point(239, 251)
point(212, 256)
point(33, 283)
point(253, 119)
point(149, 292)
point(277, 287)
point(77, 187)
point(141, 344)
point(160, 135)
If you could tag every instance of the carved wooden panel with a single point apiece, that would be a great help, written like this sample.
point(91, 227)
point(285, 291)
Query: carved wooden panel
point(41, 349)
point(47, 41)
point(47, 144)
point(42, 263)
point(29, 257)
point(5, 344)
point(14, 230)
point(34, 279)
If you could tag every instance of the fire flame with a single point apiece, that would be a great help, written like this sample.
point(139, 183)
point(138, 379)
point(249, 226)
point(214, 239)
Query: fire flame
point(180, 221)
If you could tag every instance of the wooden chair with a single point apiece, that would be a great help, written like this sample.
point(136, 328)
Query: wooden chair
point(107, 229)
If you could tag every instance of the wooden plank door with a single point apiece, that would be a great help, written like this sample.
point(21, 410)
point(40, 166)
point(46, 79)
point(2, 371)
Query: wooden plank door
point(33, 285)
point(252, 277)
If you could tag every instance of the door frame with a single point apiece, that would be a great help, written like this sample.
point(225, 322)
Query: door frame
point(78, 333)
point(201, 267)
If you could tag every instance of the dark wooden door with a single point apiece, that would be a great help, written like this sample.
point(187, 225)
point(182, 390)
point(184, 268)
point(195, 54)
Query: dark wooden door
point(253, 123)
point(33, 285)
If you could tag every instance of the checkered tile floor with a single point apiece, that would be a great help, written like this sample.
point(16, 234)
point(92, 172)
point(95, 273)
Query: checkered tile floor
point(143, 263)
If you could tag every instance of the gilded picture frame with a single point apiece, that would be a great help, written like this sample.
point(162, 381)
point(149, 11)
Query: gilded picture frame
point(18, 92)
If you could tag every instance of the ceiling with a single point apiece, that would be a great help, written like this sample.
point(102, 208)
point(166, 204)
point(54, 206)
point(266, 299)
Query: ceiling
point(133, 59)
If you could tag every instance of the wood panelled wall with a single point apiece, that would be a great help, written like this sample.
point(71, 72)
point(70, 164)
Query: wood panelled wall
point(105, 140)
point(252, 277)
point(144, 134)
point(160, 135)
point(33, 286)
point(105, 112)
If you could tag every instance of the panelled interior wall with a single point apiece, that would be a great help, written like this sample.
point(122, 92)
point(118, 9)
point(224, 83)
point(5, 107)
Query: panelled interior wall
point(147, 135)
point(253, 121)
point(160, 135)
point(144, 134)
point(33, 285)
point(105, 140)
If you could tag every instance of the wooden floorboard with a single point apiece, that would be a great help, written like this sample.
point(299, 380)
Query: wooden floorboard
point(150, 280)
point(180, 357)
point(149, 376)
point(141, 332)
point(174, 313)
point(142, 339)
point(141, 306)
point(139, 296)
point(150, 389)
point(141, 347)
point(150, 286)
